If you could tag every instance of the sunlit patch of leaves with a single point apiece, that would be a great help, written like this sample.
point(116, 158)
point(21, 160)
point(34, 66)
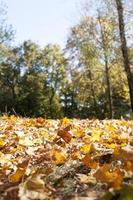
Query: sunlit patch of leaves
point(61, 159)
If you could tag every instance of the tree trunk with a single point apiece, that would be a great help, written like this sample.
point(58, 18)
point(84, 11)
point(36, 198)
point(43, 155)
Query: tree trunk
point(51, 102)
point(109, 91)
point(93, 94)
point(124, 49)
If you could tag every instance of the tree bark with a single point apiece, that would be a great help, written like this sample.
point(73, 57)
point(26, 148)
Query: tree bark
point(124, 49)
point(109, 91)
point(51, 98)
point(93, 93)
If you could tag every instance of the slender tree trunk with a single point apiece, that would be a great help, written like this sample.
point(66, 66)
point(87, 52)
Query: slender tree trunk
point(93, 94)
point(51, 102)
point(124, 49)
point(14, 97)
point(109, 91)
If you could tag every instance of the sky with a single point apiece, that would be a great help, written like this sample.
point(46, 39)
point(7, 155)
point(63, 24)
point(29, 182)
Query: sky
point(43, 21)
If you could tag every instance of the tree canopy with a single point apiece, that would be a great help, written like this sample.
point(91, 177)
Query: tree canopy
point(90, 78)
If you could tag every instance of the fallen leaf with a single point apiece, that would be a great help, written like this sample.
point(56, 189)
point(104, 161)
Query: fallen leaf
point(58, 157)
point(65, 135)
point(17, 176)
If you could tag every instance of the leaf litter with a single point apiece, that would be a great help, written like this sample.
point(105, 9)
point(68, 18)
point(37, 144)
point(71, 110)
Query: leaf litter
point(65, 159)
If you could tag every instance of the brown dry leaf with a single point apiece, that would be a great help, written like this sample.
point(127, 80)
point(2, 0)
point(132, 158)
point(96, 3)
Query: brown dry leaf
point(75, 155)
point(65, 135)
point(40, 122)
point(24, 163)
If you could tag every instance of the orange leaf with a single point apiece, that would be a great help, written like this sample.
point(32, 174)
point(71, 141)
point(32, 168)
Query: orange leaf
point(58, 157)
point(17, 176)
point(89, 162)
point(128, 165)
point(113, 178)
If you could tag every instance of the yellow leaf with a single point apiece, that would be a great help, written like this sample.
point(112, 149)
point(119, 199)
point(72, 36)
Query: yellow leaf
point(85, 148)
point(65, 121)
point(1, 142)
point(110, 128)
point(111, 146)
point(77, 133)
point(96, 136)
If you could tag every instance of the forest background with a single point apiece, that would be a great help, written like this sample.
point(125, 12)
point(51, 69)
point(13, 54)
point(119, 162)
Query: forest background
point(91, 77)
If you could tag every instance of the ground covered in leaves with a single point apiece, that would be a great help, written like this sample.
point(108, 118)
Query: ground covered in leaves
point(65, 159)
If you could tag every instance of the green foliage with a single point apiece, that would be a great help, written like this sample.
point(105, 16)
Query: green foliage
point(84, 80)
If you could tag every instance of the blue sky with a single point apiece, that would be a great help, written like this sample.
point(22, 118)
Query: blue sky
point(43, 21)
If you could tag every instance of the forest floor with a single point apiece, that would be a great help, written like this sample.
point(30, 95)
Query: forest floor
point(65, 159)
